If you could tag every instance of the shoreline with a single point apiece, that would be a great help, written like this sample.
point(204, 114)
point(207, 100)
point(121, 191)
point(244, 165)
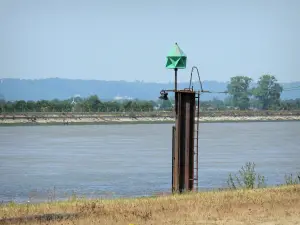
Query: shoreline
point(112, 120)
point(273, 205)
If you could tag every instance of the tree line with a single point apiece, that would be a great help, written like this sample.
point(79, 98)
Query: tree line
point(243, 94)
point(89, 104)
point(265, 94)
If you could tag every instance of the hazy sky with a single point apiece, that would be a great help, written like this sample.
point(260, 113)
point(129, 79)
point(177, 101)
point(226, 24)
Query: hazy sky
point(129, 40)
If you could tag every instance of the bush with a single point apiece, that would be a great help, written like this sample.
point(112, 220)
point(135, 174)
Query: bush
point(246, 178)
point(290, 180)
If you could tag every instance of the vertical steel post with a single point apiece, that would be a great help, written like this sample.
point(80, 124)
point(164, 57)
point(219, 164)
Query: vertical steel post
point(174, 162)
point(175, 153)
point(184, 141)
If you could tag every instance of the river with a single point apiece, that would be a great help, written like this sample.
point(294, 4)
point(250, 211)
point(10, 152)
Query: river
point(39, 163)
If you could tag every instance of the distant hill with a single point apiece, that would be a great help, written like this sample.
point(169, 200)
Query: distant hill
point(56, 88)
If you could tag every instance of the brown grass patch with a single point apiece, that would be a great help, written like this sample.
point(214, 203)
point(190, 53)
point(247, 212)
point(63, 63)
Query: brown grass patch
point(279, 205)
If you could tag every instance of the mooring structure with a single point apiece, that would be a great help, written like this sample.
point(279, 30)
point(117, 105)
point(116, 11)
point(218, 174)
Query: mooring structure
point(185, 142)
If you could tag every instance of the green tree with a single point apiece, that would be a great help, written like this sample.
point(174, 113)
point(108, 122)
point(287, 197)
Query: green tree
point(42, 106)
point(218, 104)
point(2, 103)
point(291, 104)
point(228, 101)
point(93, 103)
point(239, 90)
point(146, 106)
point(268, 92)
point(113, 106)
point(9, 107)
point(20, 106)
point(31, 106)
point(127, 106)
point(165, 104)
point(90, 104)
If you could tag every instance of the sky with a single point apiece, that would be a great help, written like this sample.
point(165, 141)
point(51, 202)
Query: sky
point(129, 40)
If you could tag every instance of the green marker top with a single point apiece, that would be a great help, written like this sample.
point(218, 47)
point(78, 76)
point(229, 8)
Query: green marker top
point(176, 58)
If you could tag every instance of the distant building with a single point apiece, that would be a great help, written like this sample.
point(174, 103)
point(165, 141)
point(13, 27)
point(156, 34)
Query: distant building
point(122, 98)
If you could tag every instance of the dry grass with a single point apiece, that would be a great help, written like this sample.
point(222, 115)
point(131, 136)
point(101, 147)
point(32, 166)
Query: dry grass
point(261, 206)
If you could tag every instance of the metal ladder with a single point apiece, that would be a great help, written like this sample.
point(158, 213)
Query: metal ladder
point(196, 140)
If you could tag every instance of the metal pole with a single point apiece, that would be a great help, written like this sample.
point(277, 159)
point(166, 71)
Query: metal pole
point(176, 78)
point(175, 95)
point(175, 149)
point(174, 162)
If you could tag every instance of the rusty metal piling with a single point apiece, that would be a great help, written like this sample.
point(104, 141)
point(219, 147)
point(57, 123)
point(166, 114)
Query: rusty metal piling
point(183, 142)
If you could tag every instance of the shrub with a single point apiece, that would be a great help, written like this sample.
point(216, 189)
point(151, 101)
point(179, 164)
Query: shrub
point(246, 178)
point(290, 180)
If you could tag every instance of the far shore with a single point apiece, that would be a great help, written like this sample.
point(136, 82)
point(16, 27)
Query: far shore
point(101, 120)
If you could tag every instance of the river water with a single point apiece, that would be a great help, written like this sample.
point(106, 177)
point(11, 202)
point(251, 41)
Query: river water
point(39, 163)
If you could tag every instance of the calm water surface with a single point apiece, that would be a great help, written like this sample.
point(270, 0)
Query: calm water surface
point(134, 160)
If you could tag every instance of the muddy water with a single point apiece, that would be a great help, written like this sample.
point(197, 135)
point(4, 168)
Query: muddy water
point(46, 162)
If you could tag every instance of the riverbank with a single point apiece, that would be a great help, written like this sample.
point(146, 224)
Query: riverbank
point(76, 119)
point(280, 205)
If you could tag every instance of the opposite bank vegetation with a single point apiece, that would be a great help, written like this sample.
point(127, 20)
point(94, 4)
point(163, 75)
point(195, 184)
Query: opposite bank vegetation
point(242, 93)
point(245, 201)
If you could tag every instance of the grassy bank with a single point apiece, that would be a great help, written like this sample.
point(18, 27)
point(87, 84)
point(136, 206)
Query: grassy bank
point(280, 205)
point(245, 201)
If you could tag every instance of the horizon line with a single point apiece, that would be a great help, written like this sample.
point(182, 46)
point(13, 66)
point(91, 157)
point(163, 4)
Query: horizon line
point(127, 81)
